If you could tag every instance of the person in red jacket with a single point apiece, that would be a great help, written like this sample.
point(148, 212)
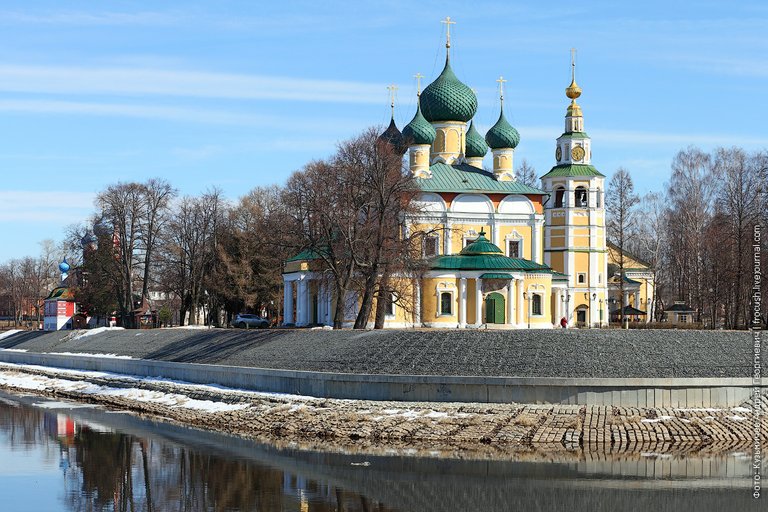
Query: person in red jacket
point(563, 323)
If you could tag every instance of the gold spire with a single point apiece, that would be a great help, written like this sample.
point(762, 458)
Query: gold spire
point(392, 88)
point(573, 91)
point(501, 81)
point(418, 77)
point(447, 21)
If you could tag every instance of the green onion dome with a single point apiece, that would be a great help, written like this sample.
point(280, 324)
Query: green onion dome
point(476, 146)
point(447, 99)
point(481, 246)
point(393, 137)
point(418, 131)
point(502, 134)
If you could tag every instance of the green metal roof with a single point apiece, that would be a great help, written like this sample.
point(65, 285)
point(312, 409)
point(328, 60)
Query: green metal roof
point(573, 170)
point(496, 275)
point(476, 146)
point(628, 311)
point(575, 135)
point(486, 262)
point(558, 276)
point(306, 254)
point(448, 99)
point(466, 178)
point(482, 254)
point(480, 246)
point(419, 131)
point(502, 134)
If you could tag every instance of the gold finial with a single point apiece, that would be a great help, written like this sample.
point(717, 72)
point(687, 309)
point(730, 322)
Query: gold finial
point(392, 88)
point(418, 77)
point(573, 91)
point(447, 21)
point(501, 81)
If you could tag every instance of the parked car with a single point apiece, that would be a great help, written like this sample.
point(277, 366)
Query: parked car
point(247, 321)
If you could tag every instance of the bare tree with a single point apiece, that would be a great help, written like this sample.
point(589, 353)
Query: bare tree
point(526, 174)
point(251, 252)
point(122, 206)
point(620, 203)
point(649, 243)
point(157, 195)
point(690, 203)
point(190, 250)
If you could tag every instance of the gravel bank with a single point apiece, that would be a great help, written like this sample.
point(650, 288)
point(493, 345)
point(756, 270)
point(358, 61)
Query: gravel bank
point(543, 353)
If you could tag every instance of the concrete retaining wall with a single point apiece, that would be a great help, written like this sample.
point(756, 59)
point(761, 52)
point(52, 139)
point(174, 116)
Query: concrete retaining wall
point(631, 392)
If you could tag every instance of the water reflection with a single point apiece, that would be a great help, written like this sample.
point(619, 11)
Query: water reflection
point(99, 460)
point(105, 469)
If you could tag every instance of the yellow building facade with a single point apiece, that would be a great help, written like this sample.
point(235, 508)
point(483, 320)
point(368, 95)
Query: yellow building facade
point(500, 253)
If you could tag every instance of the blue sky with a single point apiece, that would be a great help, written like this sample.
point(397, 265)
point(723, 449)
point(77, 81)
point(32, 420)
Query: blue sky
point(237, 94)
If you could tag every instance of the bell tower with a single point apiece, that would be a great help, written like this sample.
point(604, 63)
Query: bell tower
point(574, 233)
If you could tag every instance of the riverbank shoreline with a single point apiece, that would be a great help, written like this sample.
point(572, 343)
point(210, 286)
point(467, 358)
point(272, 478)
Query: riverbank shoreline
point(434, 429)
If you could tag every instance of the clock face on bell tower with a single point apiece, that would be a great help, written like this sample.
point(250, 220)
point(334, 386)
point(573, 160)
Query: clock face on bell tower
point(558, 154)
point(577, 153)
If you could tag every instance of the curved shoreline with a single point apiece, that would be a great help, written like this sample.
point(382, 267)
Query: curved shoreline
point(497, 431)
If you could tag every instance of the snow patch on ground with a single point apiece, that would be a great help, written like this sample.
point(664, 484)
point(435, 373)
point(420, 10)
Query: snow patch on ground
point(737, 418)
point(11, 332)
point(193, 327)
point(87, 354)
point(741, 409)
point(92, 332)
point(656, 420)
point(159, 380)
point(41, 382)
point(14, 349)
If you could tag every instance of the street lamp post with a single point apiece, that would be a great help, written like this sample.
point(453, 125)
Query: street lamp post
point(566, 299)
point(527, 297)
point(601, 313)
point(594, 296)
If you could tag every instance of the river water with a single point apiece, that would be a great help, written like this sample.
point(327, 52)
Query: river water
point(62, 456)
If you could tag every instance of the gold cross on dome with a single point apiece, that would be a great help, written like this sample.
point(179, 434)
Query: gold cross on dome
point(447, 21)
point(501, 81)
point(573, 64)
point(418, 77)
point(392, 88)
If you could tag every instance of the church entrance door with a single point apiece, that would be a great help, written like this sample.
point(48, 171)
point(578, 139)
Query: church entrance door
point(494, 308)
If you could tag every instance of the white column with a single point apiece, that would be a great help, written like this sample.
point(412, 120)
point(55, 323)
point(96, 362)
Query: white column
point(558, 307)
point(478, 301)
point(520, 303)
point(301, 302)
point(287, 302)
point(497, 235)
point(417, 306)
point(310, 305)
point(626, 298)
point(534, 239)
point(637, 299)
point(510, 303)
point(447, 239)
point(463, 302)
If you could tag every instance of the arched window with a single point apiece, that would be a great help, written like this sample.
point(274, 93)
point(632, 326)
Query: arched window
point(536, 304)
point(446, 303)
point(559, 195)
point(581, 199)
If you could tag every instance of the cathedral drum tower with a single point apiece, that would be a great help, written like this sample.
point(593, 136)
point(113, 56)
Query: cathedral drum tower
point(575, 237)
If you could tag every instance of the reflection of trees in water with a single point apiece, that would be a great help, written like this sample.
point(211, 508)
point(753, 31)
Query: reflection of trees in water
point(122, 472)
